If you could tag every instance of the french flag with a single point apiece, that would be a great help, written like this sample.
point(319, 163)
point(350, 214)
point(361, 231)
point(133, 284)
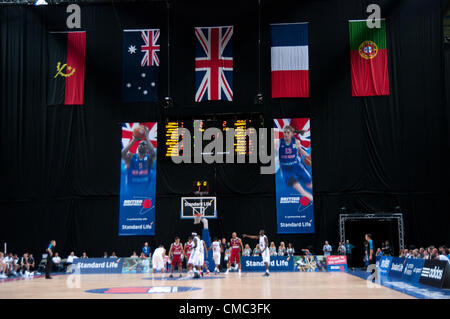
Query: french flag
point(290, 61)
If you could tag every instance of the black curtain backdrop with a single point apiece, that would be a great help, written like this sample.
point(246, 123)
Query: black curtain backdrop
point(60, 165)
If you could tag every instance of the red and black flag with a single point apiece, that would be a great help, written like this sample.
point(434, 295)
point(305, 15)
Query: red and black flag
point(66, 56)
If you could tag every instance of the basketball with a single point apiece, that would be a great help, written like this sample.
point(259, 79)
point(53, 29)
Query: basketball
point(139, 132)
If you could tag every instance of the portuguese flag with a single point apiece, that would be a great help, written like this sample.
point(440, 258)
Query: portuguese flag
point(368, 59)
point(66, 56)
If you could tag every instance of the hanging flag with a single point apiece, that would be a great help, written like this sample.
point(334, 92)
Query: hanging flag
point(214, 64)
point(140, 65)
point(368, 59)
point(66, 57)
point(289, 59)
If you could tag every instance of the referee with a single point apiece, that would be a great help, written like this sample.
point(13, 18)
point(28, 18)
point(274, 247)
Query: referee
point(48, 266)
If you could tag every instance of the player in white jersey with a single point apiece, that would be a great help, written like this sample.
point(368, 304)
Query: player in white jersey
point(264, 246)
point(197, 256)
point(158, 259)
point(216, 248)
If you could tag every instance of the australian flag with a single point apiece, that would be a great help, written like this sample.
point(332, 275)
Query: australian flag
point(140, 65)
point(213, 64)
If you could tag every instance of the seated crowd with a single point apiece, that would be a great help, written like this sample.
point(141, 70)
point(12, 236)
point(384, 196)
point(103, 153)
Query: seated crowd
point(431, 252)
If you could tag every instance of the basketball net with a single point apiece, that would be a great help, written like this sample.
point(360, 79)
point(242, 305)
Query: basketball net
point(199, 217)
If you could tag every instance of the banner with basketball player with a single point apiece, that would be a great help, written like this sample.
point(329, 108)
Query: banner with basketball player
point(138, 179)
point(293, 176)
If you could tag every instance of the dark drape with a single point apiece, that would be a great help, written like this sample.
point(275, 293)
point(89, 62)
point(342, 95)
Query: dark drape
point(60, 164)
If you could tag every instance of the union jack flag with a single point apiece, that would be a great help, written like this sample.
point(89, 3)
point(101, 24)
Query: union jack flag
point(213, 63)
point(150, 47)
point(299, 124)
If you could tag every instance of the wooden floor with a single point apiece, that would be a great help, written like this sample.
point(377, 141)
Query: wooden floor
point(232, 286)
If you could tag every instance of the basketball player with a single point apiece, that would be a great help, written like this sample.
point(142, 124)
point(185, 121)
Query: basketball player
point(291, 166)
point(236, 247)
point(176, 249)
point(139, 165)
point(216, 248)
point(196, 259)
point(264, 246)
point(187, 253)
point(158, 259)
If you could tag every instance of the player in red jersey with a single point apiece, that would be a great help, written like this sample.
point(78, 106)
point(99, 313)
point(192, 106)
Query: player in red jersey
point(236, 247)
point(187, 253)
point(176, 250)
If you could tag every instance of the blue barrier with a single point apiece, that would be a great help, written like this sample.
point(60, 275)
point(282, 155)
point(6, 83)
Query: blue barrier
point(277, 263)
point(97, 265)
point(384, 265)
point(412, 270)
point(397, 265)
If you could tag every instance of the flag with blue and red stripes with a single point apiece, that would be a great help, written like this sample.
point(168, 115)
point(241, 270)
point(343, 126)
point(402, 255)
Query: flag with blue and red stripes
point(213, 63)
point(289, 60)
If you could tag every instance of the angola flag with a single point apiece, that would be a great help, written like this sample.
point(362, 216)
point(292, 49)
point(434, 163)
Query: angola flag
point(368, 59)
point(66, 57)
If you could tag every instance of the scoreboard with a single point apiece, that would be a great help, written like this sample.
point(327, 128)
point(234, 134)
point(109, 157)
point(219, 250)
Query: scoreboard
point(174, 147)
point(242, 144)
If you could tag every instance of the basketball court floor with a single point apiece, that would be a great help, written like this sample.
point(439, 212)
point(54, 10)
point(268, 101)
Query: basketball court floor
point(295, 285)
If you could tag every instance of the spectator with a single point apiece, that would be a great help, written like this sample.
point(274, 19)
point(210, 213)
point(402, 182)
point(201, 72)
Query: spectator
point(443, 254)
point(327, 249)
point(426, 255)
point(290, 250)
point(421, 251)
point(57, 262)
point(272, 249)
point(113, 255)
point(387, 250)
point(406, 253)
point(31, 264)
point(348, 251)
point(70, 259)
point(379, 252)
point(434, 254)
point(143, 255)
point(306, 252)
point(282, 249)
point(442, 249)
point(146, 249)
point(105, 254)
point(257, 251)
point(366, 258)
point(24, 266)
point(84, 256)
point(9, 261)
point(134, 255)
point(16, 265)
point(3, 274)
point(341, 249)
point(247, 250)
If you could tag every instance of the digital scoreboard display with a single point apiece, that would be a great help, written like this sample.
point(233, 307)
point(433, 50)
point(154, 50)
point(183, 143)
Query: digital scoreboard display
point(242, 140)
point(174, 146)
